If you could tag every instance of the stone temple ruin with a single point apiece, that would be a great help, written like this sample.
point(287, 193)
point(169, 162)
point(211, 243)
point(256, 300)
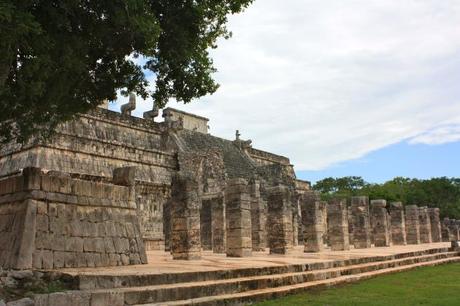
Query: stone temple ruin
point(108, 189)
point(109, 186)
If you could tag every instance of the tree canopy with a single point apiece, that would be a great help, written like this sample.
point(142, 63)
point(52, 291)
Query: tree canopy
point(439, 192)
point(61, 58)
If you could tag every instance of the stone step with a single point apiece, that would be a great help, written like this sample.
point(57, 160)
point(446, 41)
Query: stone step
point(91, 282)
point(181, 291)
point(242, 298)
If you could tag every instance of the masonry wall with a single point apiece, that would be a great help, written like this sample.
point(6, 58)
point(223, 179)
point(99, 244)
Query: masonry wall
point(62, 221)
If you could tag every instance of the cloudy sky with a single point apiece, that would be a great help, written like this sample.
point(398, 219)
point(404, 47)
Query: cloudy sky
point(357, 87)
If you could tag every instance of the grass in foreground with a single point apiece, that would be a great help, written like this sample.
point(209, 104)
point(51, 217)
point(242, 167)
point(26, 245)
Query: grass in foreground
point(438, 286)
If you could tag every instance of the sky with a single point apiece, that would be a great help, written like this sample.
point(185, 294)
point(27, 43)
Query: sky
point(360, 87)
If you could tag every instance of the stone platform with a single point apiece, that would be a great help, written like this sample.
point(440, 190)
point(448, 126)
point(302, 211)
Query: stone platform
point(218, 280)
point(162, 263)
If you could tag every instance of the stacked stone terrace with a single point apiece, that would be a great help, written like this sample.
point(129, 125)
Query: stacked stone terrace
point(108, 186)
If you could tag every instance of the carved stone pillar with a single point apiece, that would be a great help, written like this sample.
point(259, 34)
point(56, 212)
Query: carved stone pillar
point(361, 222)
point(279, 220)
point(337, 213)
point(445, 230)
point(185, 217)
point(412, 225)
point(425, 225)
point(436, 235)
point(398, 224)
point(238, 214)
point(380, 223)
point(313, 222)
point(257, 217)
point(219, 231)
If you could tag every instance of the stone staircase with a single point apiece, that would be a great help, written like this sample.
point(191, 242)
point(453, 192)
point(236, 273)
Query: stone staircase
point(246, 285)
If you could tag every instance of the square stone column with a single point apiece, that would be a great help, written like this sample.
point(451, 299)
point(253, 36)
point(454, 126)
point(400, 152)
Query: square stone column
point(238, 214)
point(258, 217)
point(350, 224)
point(453, 230)
point(361, 222)
point(313, 222)
point(398, 224)
point(295, 219)
point(219, 227)
point(425, 225)
point(380, 223)
point(412, 225)
point(337, 213)
point(279, 220)
point(436, 235)
point(185, 217)
point(445, 230)
point(206, 225)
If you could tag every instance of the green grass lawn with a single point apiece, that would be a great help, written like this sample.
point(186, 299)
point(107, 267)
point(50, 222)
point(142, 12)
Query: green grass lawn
point(438, 286)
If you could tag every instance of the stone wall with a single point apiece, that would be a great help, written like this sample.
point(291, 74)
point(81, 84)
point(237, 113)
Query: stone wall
point(52, 220)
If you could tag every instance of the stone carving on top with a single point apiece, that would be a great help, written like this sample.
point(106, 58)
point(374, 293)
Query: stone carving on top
point(242, 144)
point(171, 125)
point(152, 114)
point(127, 108)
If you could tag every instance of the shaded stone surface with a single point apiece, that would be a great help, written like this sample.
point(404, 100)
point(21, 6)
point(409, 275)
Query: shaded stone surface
point(313, 222)
point(425, 225)
point(337, 213)
point(238, 214)
point(436, 235)
point(361, 222)
point(219, 230)
point(54, 220)
point(185, 217)
point(258, 217)
point(398, 224)
point(412, 224)
point(206, 225)
point(279, 222)
point(380, 226)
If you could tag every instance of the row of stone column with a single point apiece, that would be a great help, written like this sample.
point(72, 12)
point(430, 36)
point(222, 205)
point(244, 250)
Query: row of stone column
point(364, 224)
point(241, 223)
point(450, 229)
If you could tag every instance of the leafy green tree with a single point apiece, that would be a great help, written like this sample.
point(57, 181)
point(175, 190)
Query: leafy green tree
point(439, 192)
point(60, 58)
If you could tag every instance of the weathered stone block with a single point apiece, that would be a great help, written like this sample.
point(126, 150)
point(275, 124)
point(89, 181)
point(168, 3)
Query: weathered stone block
point(185, 215)
point(337, 213)
point(313, 222)
point(380, 224)
point(436, 232)
point(280, 220)
point(412, 224)
point(238, 218)
point(361, 222)
point(425, 225)
point(398, 224)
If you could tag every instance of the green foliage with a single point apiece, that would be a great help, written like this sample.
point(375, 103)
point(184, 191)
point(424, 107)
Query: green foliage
point(60, 58)
point(407, 288)
point(440, 192)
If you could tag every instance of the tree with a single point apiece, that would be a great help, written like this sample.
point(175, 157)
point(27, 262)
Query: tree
point(441, 192)
point(61, 58)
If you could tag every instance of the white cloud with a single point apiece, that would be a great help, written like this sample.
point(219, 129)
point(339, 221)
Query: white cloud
point(439, 135)
point(328, 81)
